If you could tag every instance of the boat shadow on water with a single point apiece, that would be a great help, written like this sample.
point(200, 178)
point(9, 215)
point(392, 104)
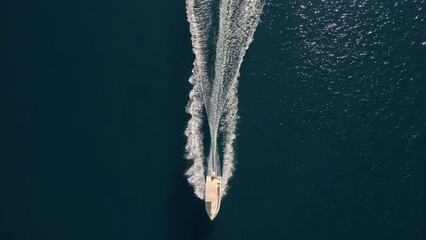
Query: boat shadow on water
point(186, 215)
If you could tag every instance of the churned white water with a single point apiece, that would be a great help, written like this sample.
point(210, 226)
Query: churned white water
point(221, 33)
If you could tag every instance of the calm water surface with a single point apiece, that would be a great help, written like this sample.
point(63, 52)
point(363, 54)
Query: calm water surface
point(331, 141)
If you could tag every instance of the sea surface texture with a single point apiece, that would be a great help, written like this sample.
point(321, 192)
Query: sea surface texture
point(101, 130)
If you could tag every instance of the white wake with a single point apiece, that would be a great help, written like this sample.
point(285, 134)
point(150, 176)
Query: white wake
point(221, 33)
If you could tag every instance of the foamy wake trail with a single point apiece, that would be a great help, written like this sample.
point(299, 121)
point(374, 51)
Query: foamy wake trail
point(194, 146)
point(221, 33)
point(228, 128)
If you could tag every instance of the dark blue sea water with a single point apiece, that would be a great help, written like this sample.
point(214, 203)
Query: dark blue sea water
point(331, 139)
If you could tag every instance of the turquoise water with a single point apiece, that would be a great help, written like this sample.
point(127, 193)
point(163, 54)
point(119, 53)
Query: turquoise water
point(331, 137)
